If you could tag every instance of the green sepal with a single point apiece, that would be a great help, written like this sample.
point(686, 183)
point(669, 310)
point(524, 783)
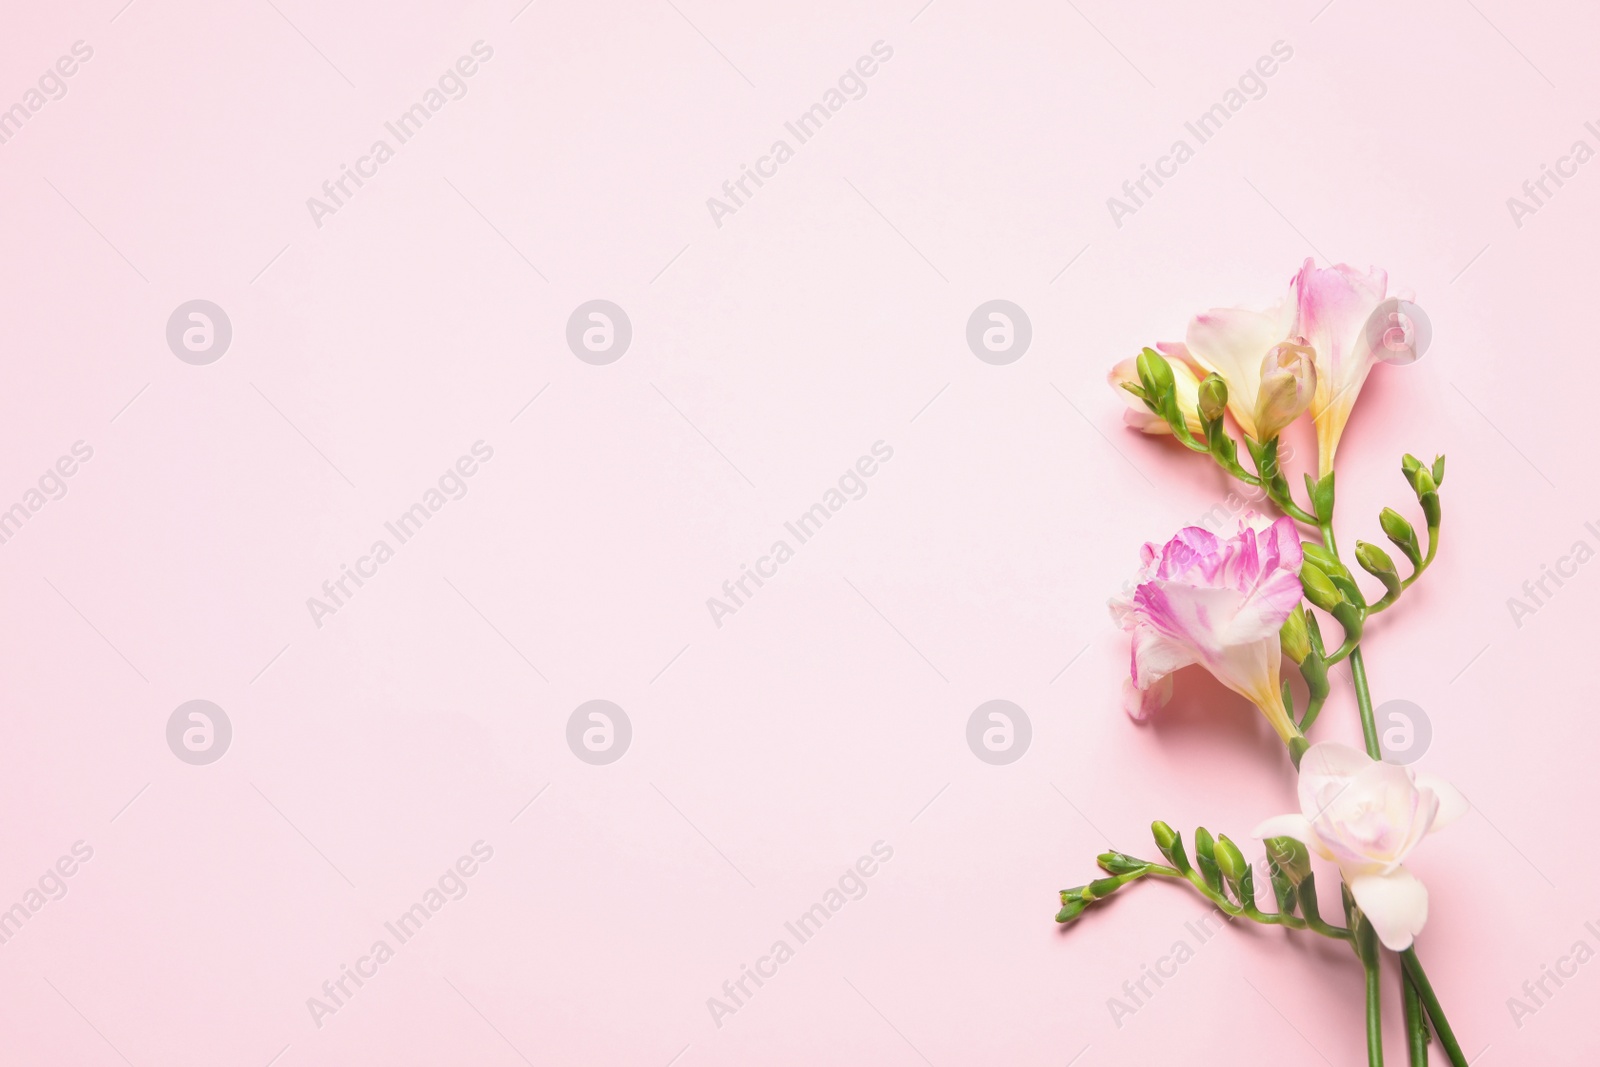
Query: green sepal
point(1121, 863)
point(1205, 858)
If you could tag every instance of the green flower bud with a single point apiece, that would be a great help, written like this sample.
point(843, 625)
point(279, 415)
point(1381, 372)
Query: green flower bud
point(1238, 873)
point(1154, 374)
point(1289, 857)
point(1438, 470)
point(1295, 637)
point(1282, 890)
point(1321, 496)
point(1101, 888)
point(1372, 558)
point(1171, 845)
point(1326, 561)
point(1428, 497)
point(1376, 562)
point(1205, 859)
point(1213, 397)
point(1319, 590)
point(1348, 589)
point(1401, 533)
point(1229, 859)
point(1120, 863)
point(1409, 465)
point(1070, 910)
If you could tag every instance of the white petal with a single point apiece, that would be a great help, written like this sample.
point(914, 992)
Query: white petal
point(1452, 805)
point(1325, 771)
point(1395, 903)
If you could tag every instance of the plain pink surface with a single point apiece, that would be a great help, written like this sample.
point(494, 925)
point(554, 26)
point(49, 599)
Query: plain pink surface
point(769, 353)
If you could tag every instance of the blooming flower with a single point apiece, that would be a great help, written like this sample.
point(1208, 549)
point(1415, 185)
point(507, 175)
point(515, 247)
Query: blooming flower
point(1216, 602)
point(1367, 816)
point(1185, 382)
point(1238, 344)
point(1334, 306)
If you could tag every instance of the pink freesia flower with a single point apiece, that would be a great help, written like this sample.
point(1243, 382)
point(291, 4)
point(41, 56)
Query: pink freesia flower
point(1218, 602)
point(1334, 306)
point(1367, 816)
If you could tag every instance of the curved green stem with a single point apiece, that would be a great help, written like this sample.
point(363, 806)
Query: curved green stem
point(1313, 923)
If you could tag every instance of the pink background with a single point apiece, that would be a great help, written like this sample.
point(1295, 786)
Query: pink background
point(828, 313)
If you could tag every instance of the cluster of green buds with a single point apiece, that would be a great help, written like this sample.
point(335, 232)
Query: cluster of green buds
point(1301, 640)
point(1424, 482)
point(1221, 874)
point(1329, 585)
point(1158, 389)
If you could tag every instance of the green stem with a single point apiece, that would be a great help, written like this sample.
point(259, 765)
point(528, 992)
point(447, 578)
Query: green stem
point(1374, 1015)
point(1441, 1025)
point(1229, 908)
point(1416, 1023)
point(1369, 726)
point(1413, 966)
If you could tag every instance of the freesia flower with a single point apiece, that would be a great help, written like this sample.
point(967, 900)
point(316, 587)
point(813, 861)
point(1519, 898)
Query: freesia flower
point(1218, 602)
point(1186, 385)
point(1288, 384)
point(1334, 306)
point(1367, 816)
point(1238, 344)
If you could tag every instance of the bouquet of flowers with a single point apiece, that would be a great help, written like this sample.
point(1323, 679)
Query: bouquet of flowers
point(1241, 602)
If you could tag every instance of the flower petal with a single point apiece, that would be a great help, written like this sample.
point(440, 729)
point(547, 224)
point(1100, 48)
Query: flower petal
point(1296, 826)
point(1326, 770)
point(1395, 903)
point(1452, 805)
point(1155, 655)
point(1334, 305)
point(1141, 703)
point(1232, 342)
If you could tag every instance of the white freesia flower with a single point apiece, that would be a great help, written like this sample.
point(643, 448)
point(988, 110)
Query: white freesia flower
point(1366, 816)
